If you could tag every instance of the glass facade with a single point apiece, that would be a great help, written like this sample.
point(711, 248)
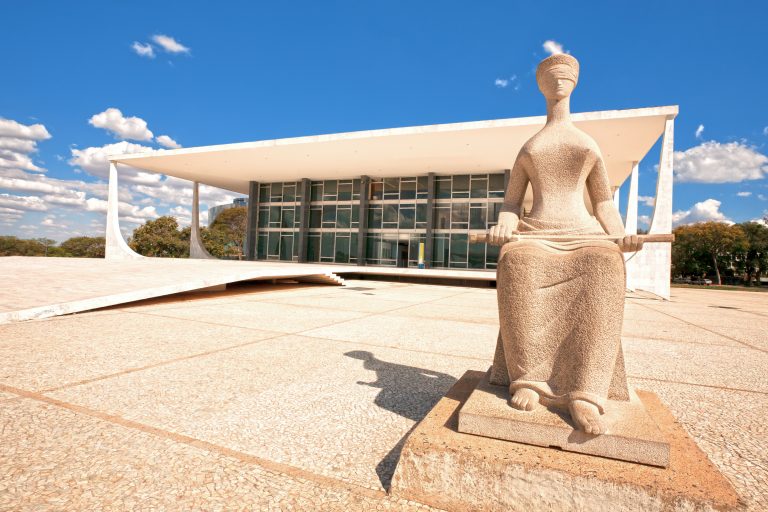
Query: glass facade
point(397, 218)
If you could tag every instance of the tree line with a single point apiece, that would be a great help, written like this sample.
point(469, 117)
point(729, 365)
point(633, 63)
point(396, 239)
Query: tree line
point(161, 237)
point(735, 253)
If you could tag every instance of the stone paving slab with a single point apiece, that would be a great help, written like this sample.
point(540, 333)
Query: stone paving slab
point(210, 407)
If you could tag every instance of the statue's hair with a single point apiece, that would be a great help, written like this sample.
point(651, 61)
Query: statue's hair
point(559, 59)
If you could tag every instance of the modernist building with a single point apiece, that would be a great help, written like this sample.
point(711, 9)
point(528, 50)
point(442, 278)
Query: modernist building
point(214, 211)
point(385, 197)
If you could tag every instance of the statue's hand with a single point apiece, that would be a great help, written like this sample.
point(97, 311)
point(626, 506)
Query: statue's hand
point(630, 243)
point(504, 229)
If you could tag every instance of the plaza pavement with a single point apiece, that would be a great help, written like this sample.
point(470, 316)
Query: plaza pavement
point(279, 397)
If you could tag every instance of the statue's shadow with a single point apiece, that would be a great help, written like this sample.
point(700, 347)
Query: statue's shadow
point(407, 391)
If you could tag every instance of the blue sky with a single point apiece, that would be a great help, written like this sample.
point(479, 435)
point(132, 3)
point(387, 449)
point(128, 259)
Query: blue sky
point(241, 71)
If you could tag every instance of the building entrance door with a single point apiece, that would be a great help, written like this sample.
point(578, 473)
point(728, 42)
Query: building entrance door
point(402, 254)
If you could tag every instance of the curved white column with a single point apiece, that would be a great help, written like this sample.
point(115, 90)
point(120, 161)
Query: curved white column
point(196, 248)
point(116, 248)
point(630, 226)
point(649, 269)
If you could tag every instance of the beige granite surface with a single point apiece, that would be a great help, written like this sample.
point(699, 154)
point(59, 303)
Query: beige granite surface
point(105, 409)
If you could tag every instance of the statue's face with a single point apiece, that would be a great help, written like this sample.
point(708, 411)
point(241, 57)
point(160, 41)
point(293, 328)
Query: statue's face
point(557, 82)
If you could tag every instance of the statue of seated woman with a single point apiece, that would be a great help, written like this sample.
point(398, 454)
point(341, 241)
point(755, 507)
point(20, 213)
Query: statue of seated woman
point(561, 304)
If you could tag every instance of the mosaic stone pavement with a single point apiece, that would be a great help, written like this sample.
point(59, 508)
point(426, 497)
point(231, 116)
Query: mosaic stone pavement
point(279, 397)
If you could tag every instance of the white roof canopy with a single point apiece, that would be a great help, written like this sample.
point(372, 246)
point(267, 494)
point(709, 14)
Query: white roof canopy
point(624, 137)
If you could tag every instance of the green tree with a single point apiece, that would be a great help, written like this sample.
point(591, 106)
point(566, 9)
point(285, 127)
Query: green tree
point(160, 238)
point(226, 236)
point(756, 254)
point(84, 247)
point(707, 247)
point(13, 246)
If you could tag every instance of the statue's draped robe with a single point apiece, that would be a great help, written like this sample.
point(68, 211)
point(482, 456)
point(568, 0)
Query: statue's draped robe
point(561, 306)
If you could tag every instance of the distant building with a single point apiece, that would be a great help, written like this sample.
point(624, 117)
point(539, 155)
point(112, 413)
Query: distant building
point(214, 211)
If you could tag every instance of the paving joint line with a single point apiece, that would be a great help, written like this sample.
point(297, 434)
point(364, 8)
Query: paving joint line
point(709, 386)
point(269, 465)
point(706, 329)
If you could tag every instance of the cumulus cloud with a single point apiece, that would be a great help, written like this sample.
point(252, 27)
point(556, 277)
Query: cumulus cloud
point(143, 49)
point(707, 210)
point(22, 203)
point(18, 142)
point(744, 194)
point(169, 44)
point(765, 131)
point(715, 162)
point(166, 141)
point(699, 131)
point(552, 47)
point(95, 161)
point(647, 200)
point(501, 82)
point(121, 127)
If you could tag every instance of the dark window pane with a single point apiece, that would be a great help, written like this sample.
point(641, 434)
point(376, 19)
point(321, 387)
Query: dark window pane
point(377, 190)
point(443, 187)
point(491, 255)
point(356, 189)
point(342, 249)
point(372, 247)
point(493, 213)
point(479, 187)
point(261, 251)
point(263, 217)
point(442, 217)
point(355, 215)
point(274, 244)
point(459, 251)
point(329, 215)
point(317, 191)
point(408, 190)
point(342, 217)
point(345, 190)
point(288, 218)
point(390, 213)
point(407, 217)
point(289, 193)
point(476, 255)
point(329, 190)
point(477, 217)
point(391, 188)
point(459, 213)
point(353, 246)
point(440, 249)
point(286, 247)
point(389, 248)
point(315, 216)
point(276, 193)
point(421, 213)
point(461, 186)
point(422, 187)
point(313, 248)
point(263, 193)
point(496, 185)
point(274, 216)
point(374, 218)
point(326, 247)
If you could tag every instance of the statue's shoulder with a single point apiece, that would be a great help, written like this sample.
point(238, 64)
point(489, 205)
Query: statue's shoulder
point(585, 139)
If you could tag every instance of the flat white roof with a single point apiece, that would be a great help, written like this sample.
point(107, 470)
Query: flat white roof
point(624, 137)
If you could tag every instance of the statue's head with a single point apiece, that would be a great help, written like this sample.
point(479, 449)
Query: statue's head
point(557, 76)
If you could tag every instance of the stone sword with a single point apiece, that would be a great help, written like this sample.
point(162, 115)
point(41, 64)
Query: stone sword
point(478, 238)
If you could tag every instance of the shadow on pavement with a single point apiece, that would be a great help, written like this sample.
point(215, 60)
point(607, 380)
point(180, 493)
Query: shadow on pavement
point(405, 390)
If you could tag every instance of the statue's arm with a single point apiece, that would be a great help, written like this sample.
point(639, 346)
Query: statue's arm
point(605, 211)
point(512, 209)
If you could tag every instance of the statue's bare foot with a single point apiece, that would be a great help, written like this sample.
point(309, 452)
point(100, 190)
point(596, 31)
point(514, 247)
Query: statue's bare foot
point(525, 399)
point(587, 417)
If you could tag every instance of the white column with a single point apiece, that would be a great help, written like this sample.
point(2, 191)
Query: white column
point(116, 248)
point(630, 225)
point(649, 269)
point(616, 195)
point(196, 248)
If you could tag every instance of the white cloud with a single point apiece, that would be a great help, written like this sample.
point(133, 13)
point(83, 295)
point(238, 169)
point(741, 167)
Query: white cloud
point(50, 222)
point(18, 142)
point(765, 131)
point(707, 210)
point(11, 128)
point(699, 131)
point(762, 197)
point(95, 161)
point(501, 82)
point(144, 50)
point(169, 44)
point(647, 200)
point(166, 141)
point(122, 127)
point(644, 220)
point(552, 47)
point(744, 194)
point(505, 82)
point(715, 162)
point(22, 203)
